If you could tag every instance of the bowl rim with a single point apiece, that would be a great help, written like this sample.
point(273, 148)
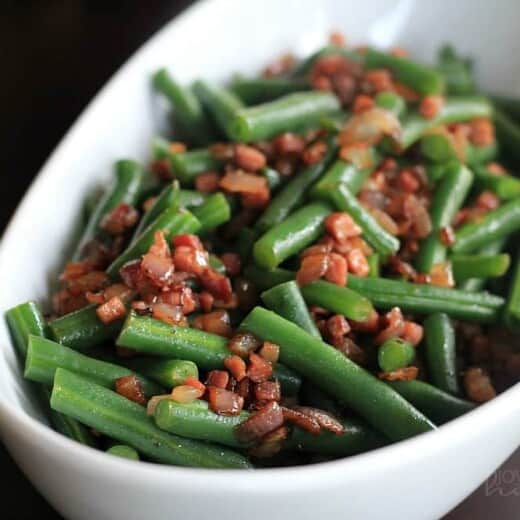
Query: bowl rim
point(301, 477)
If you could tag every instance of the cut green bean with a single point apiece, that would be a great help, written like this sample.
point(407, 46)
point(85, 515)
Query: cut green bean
point(296, 232)
point(44, 357)
point(512, 308)
point(127, 422)
point(264, 279)
point(287, 301)
point(285, 114)
point(479, 266)
point(186, 166)
point(448, 198)
point(340, 172)
point(498, 223)
point(437, 405)
point(24, 320)
point(214, 212)
point(437, 148)
point(440, 352)
point(127, 184)
point(508, 133)
point(197, 421)
point(330, 370)
point(395, 353)
point(167, 372)
point(392, 102)
point(259, 90)
point(340, 300)
point(478, 155)
point(292, 194)
point(123, 451)
point(172, 221)
point(418, 77)
point(505, 186)
point(374, 264)
point(149, 336)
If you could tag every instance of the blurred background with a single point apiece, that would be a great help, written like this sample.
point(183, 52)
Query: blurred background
point(55, 55)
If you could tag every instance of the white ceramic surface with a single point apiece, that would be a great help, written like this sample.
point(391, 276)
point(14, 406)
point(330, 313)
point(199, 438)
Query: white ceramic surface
point(421, 478)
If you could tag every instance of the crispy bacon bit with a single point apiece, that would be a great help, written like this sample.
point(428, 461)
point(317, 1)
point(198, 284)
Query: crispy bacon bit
point(270, 352)
point(337, 327)
point(394, 326)
point(259, 369)
point(131, 388)
point(114, 309)
point(267, 391)
point(217, 284)
point(271, 443)
point(407, 181)
point(190, 260)
point(401, 374)
point(341, 226)
point(357, 262)
point(206, 301)
point(338, 39)
point(207, 182)
point(171, 314)
point(244, 388)
point(314, 153)
point(153, 402)
point(186, 394)
point(177, 147)
point(249, 158)
point(188, 240)
point(350, 349)
point(442, 275)
point(412, 332)
point(478, 386)
point(260, 423)
point(280, 66)
point(92, 281)
point(359, 154)
point(301, 420)
point(409, 95)
point(131, 273)
point(237, 181)
point(216, 322)
point(217, 378)
point(158, 269)
point(312, 268)
point(161, 168)
point(224, 402)
point(195, 383)
point(337, 270)
point(232, 263)
point(369, 127)
point(183, 297)
point(122, 217)
point(317, 249)
point(73, 270)
point(324, 419)
point(362, 102)
point(222, 151)
point(487, 201)
point(482, 132)
point(258, 200)
point(370, 326)
point(378, 80)
point(447, 236)
point(496, 168)
point(430, 106)
point(243, 343)
point(236, 366)
point(288, 144)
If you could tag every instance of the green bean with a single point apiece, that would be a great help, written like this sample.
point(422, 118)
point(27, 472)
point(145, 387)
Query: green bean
point(478, 155)
point(263, 279)
point(296, 232)
point(208, 351)
point(392, 102)
point(305, 66)
point(285, 114)
point(220, 102)
point(311, 395)
point(456, 71)
point(187, 108)
point(512, 309)
point(24, 320)
point(214, 212)
point(127, 422)
point(437, 148)
point(287, 301)
point(258, 90)
point(498, 223)
point(509, 105)
point(440, 350)
point(508, 133)
point(123, 451)
point(191, 199)
point(374, 263)
point(197, 421)
point(171, 221)
point(244, 243)
point(395, 353)
point(166, 372)
point(292, 194)
point(82, 329)
point(340, 172)
point(330, 370)
point(505, 186)
point(273, 178)
point(216, 264)
point(340, 300)
point(357, 438)
point(437, 405)
point(455, 110)
point(447, 200)
point(44, 357)
point(186, 166)
point(426, 299)
point(479, 266)
point(435, 171)
point(127, 184)
point(418, 77)
point(382, 241)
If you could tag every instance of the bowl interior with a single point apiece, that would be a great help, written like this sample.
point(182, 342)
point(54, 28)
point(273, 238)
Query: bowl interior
point(214, 39)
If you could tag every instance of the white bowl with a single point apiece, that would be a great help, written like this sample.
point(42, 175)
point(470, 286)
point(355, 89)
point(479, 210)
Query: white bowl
point(421, 478)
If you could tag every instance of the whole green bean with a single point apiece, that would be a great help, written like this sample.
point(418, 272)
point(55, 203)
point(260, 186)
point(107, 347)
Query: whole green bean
point(214, 212)
point(504, 186)
point(437, 405)
point(340, 300)
point(285, 114)
point(382, 241)
point(127, 422)
point(330, 370)
point(292, 235)
point(44, 357)
point(197, 421)
point(292, 194)
point(498, 223)
point(186, 166)
point(208, 351)
point(449, 196)
point(392, 102)
point(508, 133)
point(220, 102)
point(127, 184)
point(167, 372)
point(395, 353)
point(188, 110)
point(479, 266)
point(440, 350)
point(82, 329)
point(172, 221)
point(340, 172)
point(512, 309)
point(418, 77)
point(287, 301)
point(259, 90)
